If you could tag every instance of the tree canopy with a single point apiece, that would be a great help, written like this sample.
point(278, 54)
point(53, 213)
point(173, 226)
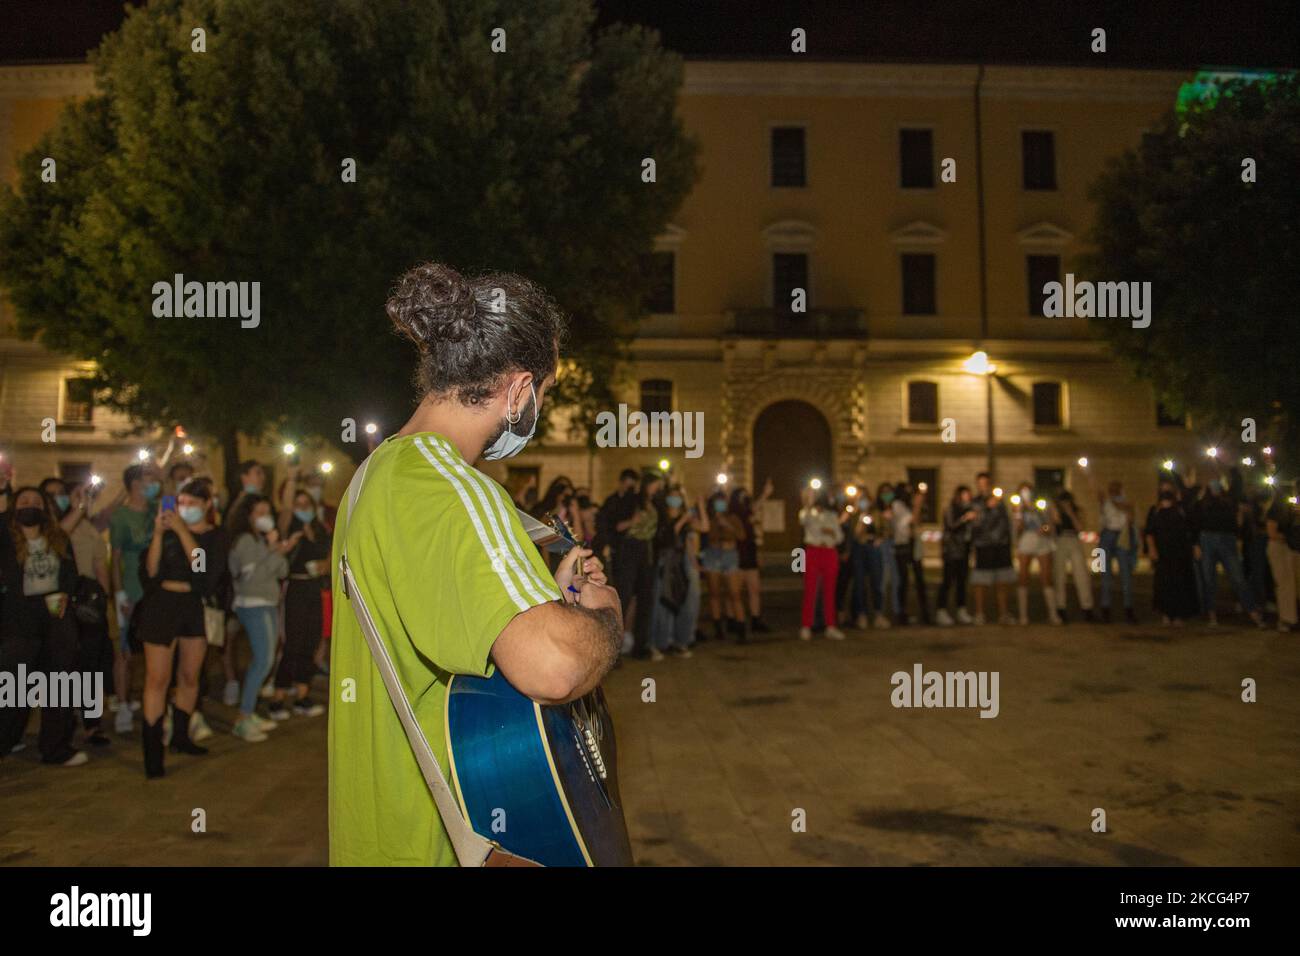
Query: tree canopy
point(229, 165)
point(1217, 238)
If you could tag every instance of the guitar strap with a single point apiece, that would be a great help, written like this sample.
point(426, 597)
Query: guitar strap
point(471, 848)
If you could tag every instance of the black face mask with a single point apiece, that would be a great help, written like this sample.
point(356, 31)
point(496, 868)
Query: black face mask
point(30, 517)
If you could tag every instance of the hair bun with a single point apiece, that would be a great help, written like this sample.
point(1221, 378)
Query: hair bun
point(432, 303)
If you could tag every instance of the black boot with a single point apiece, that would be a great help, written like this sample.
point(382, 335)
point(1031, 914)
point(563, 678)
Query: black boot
point(741, 631)
point(758, 625)
point(717, 630)
point(151, 735)
point(181, 743)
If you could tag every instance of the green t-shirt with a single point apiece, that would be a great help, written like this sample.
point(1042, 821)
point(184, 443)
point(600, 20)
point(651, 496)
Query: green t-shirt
point(129, 531)
point(444, 563)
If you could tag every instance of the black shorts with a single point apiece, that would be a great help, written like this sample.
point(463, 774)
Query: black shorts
point(993, 556)
point(166, 615)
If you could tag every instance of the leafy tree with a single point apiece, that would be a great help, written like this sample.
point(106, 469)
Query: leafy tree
point(228, 165)
point(1222, 256)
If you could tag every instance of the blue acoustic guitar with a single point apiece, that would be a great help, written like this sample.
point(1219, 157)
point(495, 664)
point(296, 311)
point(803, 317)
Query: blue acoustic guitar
point(537, 779)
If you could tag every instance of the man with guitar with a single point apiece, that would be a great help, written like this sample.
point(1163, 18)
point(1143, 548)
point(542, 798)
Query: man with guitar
point(449, 576)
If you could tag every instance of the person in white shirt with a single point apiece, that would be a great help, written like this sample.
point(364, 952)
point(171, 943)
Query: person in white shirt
point(1119, 546)
point(822, 535)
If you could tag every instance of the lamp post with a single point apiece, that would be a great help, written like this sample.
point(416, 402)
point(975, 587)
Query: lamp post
point(978, 364)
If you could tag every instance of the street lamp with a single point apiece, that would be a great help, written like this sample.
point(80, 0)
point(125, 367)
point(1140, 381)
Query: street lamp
point(978, 364)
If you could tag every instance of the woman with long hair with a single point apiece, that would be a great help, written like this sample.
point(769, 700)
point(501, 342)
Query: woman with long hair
point(906, 511)
point(745, 509)
point(635, 565)
point(309, 578)
point(257, 566)
point(1035, 528)
point(38, 573)
point(677, 585)
point(557, 501)
point(955, 548)
point(183, 566)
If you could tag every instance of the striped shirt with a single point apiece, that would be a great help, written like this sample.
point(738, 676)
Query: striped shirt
point(445, 564)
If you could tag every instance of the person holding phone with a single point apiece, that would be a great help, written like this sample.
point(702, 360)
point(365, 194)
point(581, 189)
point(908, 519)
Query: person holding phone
point(308, 550)
point(184, 564)
point(39, 574)
point(258, 565)
point(129, 531)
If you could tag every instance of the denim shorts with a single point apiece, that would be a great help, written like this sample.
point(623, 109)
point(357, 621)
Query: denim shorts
point(720, 560)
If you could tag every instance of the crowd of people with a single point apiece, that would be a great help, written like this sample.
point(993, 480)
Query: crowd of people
point(862, 554)
point(862, 551)
point(164, 571)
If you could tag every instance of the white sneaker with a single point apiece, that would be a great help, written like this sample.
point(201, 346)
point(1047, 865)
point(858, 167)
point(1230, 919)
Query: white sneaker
point(199, 729)
point(76, 760)
point(963, 616)
point(978, 620)
point(18, 747)
point(245, 729)
point(263, 724)
point(834, 634)
point(861, 622)
point(267, 691)
point(230, 696)
point(943, 618)
point(805, 634)
point(881, 622)
point(656, 654)
point(122, 720)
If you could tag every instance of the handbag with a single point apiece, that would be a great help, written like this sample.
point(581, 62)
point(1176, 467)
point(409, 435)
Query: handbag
point(90, 602)
point(214, 625)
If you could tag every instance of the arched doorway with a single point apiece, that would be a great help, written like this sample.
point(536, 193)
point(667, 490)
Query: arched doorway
point(792, 444)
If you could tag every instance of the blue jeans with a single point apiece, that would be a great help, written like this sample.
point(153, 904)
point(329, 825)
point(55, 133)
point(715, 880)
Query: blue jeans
point(861, 557)
point(670, 627)
point(1219, 547)
point(1126, 558)
point(888, 588)
point(260, 623)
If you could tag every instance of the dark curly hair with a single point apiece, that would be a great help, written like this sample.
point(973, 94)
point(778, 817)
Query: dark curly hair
point(472, 331)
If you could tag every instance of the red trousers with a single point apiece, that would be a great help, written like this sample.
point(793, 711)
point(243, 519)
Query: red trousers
point(823, 565)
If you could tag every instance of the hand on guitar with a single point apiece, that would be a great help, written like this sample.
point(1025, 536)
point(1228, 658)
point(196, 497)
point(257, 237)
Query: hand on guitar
point(567, 575)
point(597, 596)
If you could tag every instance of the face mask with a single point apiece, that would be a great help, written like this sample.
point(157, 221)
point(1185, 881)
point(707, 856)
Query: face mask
point(673, 501)
point(62, 502)
point(304, 516)
point(151, 490)
point(719, 506)
point(1120, 499)
point(191, 514)
point(264, 523)
point(30, 517)
point(315, 493)
point(252, 489)
point(886, 496)
point(508, 444)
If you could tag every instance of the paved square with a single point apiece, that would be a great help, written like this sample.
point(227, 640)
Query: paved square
point(1144, 722)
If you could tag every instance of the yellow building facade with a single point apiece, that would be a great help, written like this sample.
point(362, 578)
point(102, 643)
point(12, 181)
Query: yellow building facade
point(916, 206)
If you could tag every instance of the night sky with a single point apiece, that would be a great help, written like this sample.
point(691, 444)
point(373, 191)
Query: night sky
point(1153, 33)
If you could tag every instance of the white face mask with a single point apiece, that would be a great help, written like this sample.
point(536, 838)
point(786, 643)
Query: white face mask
point(264, 523)
point(508, 444)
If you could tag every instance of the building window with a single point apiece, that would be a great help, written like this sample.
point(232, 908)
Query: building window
point(1041, 270)
point(923, 403)
point(916, 158)
point(916, 477)
point(656, 395)
point(73, 473)
point(78, 401)
point(1048, 481)
point(661, 268)
point(789, 272)
point(918, 284)
point(789, 167)
point(1167, 419)
point(1047, 405)
point(1038, 152)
